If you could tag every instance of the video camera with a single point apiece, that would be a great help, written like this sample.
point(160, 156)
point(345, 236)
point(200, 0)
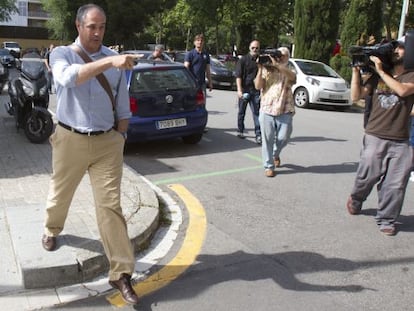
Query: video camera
point(360, 55)
point(264, 57)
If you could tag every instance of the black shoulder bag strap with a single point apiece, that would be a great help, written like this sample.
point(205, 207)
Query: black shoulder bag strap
point(100, 77)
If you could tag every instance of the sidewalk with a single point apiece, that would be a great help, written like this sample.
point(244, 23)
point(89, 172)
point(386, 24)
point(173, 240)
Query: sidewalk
point(25, 170)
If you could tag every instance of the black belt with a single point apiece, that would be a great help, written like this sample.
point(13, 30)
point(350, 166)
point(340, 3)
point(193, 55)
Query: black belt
point(92, 133)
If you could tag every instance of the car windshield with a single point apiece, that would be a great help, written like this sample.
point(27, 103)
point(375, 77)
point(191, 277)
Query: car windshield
point(11, 45)
point(316, 69)
point(216, 63)
point(179, 57)
point(4, 52)
point(33, 66)
point(161, 80)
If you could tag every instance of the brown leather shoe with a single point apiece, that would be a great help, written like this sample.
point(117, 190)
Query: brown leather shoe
point(350, 207)
point(269, 172)
point(125, 288)
point(277, 162)
point(49, 243)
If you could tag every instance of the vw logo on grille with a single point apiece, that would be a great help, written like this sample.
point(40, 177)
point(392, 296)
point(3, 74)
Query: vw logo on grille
point(169, 99)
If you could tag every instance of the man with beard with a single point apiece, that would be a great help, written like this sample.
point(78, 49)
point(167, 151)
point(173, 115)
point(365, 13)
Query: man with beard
point(386, 153)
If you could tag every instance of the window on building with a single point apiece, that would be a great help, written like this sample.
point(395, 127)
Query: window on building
point(22, 8)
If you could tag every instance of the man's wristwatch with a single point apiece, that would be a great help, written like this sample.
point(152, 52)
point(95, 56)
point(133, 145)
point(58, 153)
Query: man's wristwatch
point(124, 134)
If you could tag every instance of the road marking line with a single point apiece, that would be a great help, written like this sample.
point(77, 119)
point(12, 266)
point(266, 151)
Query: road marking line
point(219, 173)
point(253, 157)
point(205, 175)
point(185, 257)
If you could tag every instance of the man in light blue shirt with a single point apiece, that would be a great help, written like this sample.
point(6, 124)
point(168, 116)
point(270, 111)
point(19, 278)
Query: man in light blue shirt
point(90, 136)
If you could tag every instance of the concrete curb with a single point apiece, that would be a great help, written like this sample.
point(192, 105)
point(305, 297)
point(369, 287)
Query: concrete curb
point(80, 257)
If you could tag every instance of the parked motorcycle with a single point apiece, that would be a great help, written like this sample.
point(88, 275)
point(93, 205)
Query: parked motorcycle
point(29, 98)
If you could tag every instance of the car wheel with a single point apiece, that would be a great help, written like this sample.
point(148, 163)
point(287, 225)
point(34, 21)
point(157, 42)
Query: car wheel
point(192, 139)
point(301, 97)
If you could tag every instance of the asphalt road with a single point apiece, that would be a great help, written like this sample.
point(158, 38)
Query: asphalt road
point(282, 243)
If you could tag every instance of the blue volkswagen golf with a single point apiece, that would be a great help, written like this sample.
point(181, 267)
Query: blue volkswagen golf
point(165, 103)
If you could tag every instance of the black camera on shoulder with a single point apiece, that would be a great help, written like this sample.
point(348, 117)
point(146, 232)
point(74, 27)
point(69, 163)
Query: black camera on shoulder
point(360, 55)
point(264, 57)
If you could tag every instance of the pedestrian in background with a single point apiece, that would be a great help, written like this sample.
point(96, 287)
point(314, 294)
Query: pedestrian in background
point(90, 136)
point(198, 62)
point(277, 108)
point(247, 94)
point(158, 53)
point(49, 69)
point(386, 156)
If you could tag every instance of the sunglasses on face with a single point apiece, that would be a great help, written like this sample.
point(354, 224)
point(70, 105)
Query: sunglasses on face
point(254, 47)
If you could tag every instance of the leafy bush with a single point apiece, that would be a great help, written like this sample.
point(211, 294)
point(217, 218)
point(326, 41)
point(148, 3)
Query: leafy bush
point(341, 64)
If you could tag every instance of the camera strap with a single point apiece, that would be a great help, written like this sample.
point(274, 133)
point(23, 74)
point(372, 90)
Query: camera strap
point(100, 77)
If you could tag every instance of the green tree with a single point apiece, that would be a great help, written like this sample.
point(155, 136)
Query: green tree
point(272, 26)
point(177, 25)
point(226, 23)
point(391, 17)
point(340, 63)
point(125, 19)
point(7, 7)
point(316, 28)
point(362, 20)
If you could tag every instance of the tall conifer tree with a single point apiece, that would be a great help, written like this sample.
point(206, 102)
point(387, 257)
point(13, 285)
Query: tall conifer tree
point(363, 20)
point(316, 28)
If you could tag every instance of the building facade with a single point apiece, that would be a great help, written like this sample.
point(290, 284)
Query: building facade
point(28, 26)
point(31, 14)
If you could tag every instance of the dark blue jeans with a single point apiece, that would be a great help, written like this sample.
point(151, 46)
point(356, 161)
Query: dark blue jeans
point(254, 103)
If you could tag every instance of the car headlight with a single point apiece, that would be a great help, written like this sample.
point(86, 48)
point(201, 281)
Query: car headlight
point(313, 81)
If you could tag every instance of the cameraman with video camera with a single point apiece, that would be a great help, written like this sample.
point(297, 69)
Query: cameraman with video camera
point(275, 80)
point(386, 153)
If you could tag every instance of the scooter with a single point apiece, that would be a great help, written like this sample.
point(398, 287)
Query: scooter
point(29, 98)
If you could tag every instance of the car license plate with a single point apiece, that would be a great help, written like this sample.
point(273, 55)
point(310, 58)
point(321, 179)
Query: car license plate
point(165, 124)
point(225, 83)
point(335, 96)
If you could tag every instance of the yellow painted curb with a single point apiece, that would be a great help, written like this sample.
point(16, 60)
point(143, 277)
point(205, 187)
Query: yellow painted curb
point(185, 257)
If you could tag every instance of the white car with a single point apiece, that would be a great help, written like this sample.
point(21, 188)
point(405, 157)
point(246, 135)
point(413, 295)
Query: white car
point(13, 47)
point(317, 83)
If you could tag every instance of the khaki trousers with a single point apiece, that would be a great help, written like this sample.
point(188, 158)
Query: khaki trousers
point(102, 156)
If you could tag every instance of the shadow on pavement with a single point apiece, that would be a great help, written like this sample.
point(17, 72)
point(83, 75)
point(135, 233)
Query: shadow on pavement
point(252, 267)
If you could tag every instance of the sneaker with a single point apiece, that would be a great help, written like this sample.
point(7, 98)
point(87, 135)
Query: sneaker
point(240, 135)
point(259, 140)
point(277, 162)
point(269, 172)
